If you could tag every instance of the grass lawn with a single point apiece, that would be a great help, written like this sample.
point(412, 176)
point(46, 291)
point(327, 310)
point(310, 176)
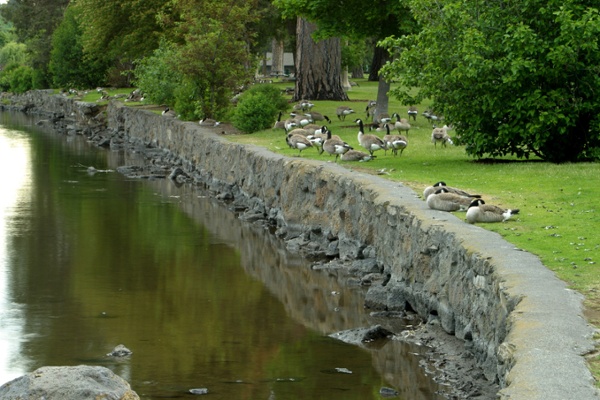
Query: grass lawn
point(559, 203)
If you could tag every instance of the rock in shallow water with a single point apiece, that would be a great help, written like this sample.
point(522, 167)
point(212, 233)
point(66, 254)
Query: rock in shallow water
point(68, 383)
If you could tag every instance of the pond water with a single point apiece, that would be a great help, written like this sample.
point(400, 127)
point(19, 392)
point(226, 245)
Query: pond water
point(204, 300)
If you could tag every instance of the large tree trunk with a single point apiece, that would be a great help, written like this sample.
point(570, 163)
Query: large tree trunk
point(358, 73)
point(380, 56)
point(345, 79)
point(382, 97)
point(318, 66)
point(277, 61)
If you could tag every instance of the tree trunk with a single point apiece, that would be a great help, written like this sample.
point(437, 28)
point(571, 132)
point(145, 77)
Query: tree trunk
point(382, 97)
point(358, 73)
point(345, 81)
point(318, 66)
point(380, 56)
point(277, 61)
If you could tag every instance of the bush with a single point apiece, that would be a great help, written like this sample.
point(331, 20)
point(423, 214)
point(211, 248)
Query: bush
point(258, 107)
point(157, 77)
point(17, 78)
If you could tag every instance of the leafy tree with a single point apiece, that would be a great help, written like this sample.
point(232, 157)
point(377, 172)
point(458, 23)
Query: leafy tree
point(157, 75)
point(34, 22)
point(213, 41)
point(68, 64)
point(513, 78)
point(119, 32)
point(17, 78)
point(7, 32)
point(13, 53)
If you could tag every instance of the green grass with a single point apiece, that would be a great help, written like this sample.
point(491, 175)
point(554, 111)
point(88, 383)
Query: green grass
point(558, 203)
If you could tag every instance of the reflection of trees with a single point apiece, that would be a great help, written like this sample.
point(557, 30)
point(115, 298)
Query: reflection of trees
point(320, 300)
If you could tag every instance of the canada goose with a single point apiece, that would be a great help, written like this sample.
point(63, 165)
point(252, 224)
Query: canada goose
point(441, 184)
point(300, 120)
point(371, 104)
point(318, 137)
point(279, 124)
point(440, 135)
point(306, 105)
point(313, 128)
point(335, 145)
point(289, 124)
point(317, 116)
point(356, 155)
point(167, 112)
point(394, 142)
point(343, 111)
point(208, 122)
point(443, 200)
point(298, 142)
point(432, 117)
point(401, 124)
point(370, 142)
point(480, 212)
point(303, 105)
point(412, 113)
point(299, 131)
point(383, 118)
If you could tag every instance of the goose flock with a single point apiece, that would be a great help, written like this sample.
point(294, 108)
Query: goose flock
point(306, 122)
point(446, 198)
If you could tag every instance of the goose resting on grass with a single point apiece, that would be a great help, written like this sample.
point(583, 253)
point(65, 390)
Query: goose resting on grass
point(480, 212)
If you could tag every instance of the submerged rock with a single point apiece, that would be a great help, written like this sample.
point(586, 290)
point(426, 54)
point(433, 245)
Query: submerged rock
point(120, 351)
point(361, 336)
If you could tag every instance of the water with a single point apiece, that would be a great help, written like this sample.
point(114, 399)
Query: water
point(90, 261)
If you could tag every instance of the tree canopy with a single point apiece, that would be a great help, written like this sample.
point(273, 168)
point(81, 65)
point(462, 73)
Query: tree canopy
point(516, 78)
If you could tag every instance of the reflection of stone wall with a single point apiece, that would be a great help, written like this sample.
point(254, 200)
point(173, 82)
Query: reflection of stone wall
point(523, 325)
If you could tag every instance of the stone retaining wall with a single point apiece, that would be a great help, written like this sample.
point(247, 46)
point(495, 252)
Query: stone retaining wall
point(524, 326)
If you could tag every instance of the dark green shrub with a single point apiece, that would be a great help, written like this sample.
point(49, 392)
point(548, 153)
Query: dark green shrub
point(258, 107)
point(157, 77)
point(16, 78)
point(186, 101)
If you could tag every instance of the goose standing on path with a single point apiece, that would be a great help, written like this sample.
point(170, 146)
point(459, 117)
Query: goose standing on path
point(480, 212)
point(370, 142)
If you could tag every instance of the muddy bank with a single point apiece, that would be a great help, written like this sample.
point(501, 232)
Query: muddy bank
point(520, 326)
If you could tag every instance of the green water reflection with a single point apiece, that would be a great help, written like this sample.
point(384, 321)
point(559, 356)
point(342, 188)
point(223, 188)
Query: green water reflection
point(91, 261)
